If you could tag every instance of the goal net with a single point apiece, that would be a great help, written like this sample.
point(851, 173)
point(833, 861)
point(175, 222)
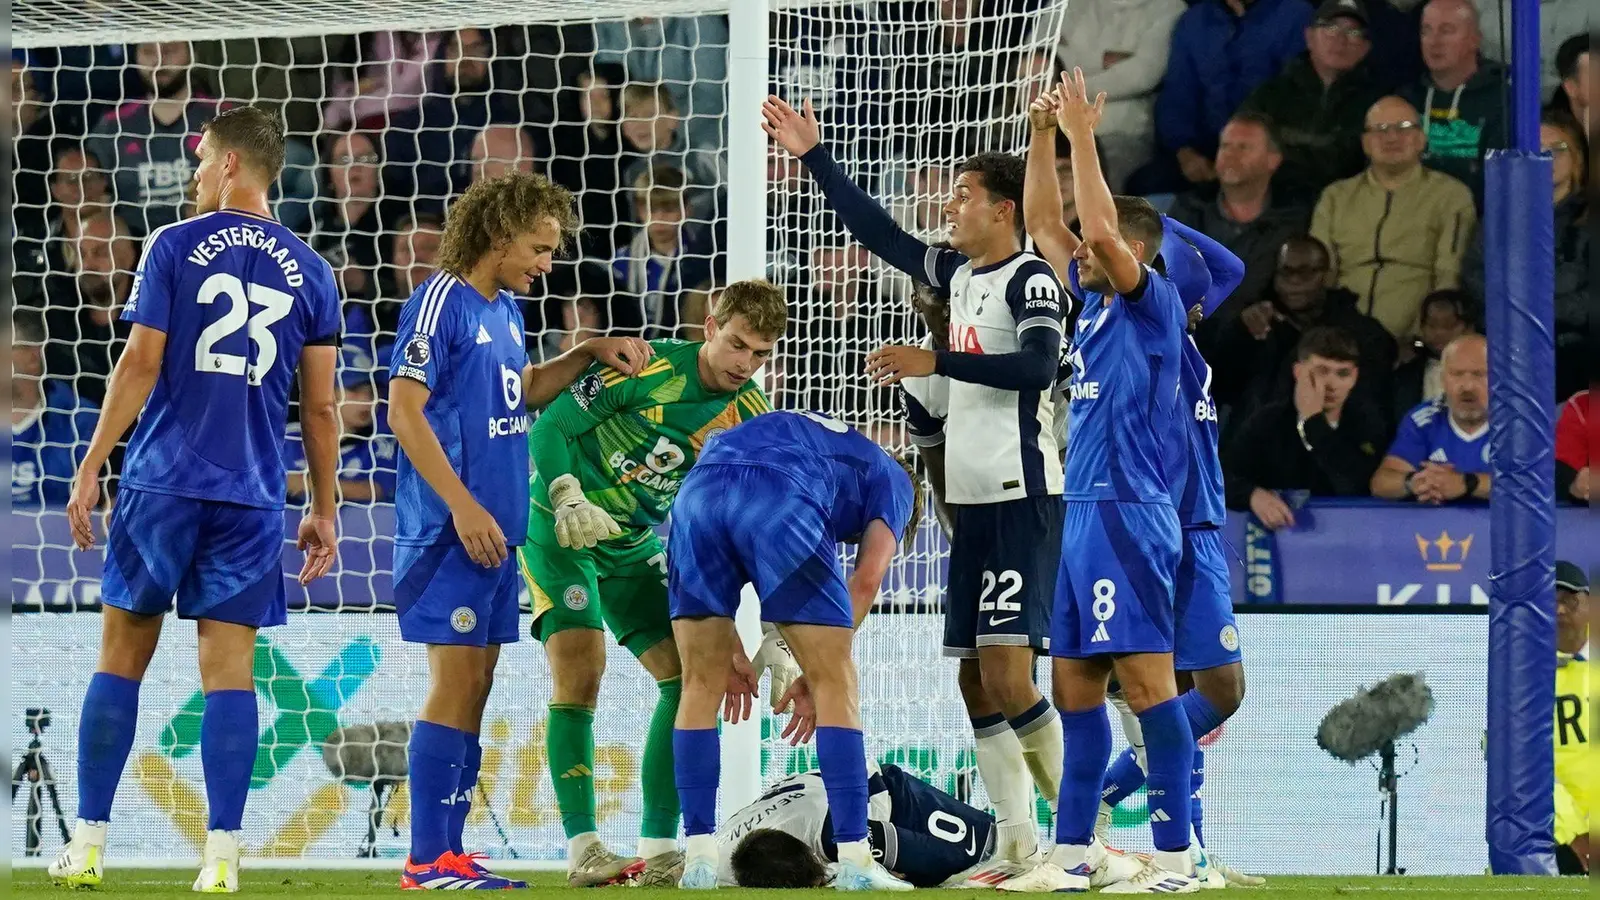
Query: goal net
point(392, 110)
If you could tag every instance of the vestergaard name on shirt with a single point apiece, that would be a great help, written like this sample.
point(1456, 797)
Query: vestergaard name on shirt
point(245, 236)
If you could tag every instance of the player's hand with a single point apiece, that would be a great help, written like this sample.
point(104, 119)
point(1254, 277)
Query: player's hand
point(888, 365)
point(80, 509)
point(1042, 112)
point(480, 534)
point(319, 541)
point(579, 523)
point(627, 355)
point(1257, 319)
point(774, 656)
point(743, 681)
point(1270, 509)
point(794, 132)
point(803, 723)
point(1075, 112)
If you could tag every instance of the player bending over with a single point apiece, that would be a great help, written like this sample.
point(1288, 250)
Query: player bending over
point(225, 308)
point(1003, 469)
point(768, 504)
point(786, 840)
point(459, 398)
point(1207, 654)
point(1121, 541)
point(610, 455)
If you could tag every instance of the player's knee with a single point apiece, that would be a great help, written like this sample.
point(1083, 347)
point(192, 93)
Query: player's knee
point(769, 858)
point(577, 664)
point(1008, 685)
point(127, 643)
point(1223, 688)
point(969, 678)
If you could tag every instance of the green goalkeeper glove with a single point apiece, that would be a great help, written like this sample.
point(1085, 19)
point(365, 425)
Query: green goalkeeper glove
point(579, 523)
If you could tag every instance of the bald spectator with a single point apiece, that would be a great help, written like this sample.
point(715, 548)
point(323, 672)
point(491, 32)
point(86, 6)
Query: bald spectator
point(500, 149)
point(1574, 64)
point(86, 333)
point(1575, 449)
point(1397, 231)
point(1440, 453)
point(1319, 102)
point(1461, 96)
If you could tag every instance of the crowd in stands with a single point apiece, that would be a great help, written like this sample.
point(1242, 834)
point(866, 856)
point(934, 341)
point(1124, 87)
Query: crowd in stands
point(1337, 148)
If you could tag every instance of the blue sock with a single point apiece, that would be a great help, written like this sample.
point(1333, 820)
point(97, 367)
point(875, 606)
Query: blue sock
point(697, 767)
point(435, 756)
point(463, 802)
point(1122, 779)
point(105, 735)
point(228, 737)
point(1203, 717)
point(842, 757)
point(1197, 779)
point(1086, 739)
point(1169, 750)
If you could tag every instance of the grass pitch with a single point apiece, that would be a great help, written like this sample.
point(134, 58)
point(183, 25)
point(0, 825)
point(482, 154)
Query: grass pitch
point(29, 884)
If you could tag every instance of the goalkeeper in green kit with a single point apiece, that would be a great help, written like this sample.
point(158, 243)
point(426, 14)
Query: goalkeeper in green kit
point(609, 455)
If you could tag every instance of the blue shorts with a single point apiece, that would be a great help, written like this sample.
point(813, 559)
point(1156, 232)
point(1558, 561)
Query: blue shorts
point(1207, 636)
point(1115, 590)
point(442, 597)
point(221, 561)
point(738, 525)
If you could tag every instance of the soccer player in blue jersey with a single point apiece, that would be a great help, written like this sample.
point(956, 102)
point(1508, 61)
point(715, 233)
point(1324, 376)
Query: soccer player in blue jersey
point(1441, 452)
point(460, 390)
point(768, 503)
point(225, 308)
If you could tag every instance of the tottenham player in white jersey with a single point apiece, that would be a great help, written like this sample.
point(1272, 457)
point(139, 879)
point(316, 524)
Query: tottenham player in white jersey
point(1003, 469)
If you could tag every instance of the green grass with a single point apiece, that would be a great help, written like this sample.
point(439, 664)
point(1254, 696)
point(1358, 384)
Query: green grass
point(316, 885)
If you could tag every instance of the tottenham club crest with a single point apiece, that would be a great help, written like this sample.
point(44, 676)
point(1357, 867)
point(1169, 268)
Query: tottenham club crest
point(576, 598)
point(418, 351)
point(463, 619)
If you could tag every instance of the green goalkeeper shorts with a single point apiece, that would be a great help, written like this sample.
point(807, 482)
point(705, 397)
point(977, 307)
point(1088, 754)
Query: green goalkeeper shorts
point(620, 585)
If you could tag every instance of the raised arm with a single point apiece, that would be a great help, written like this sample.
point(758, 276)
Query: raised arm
point(1041, 192)
point(1227, 269)
point(543, 382)
point(1097, 212)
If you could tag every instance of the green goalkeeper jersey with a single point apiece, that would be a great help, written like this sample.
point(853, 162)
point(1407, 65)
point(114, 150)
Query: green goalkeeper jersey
point(630, 441)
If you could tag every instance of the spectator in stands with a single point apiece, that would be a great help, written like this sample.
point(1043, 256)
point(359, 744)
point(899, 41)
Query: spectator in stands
point(652, 135)
point(1575, 449)
point(86, 331)
point(1577, 79)
point(1397, 231)
point(1395, 29)
point(33, 130)
point(921, 211)
point(1323, 443)
point(1562, 138)
point(500, 149)
point(820, 58)
point(367, 462)
point(347, 222)
point(1558, 20)
point(1461, 98)
point(78, 190)
point(843, 318)
point(585, 150)
point(1241, 211)
point(580, 320)
point(687, 54)
point(148, 144)
point(1440, 452)
point(1221, 51)
point(1318, 103)
point(413, 253)
point(666, 258)
point(50, 424)
point(1446, 315)
point(1255, 354)
point(794, 216)
point(1575, 763)
point(1122, 47)
point(952, 61)
point(389, 78)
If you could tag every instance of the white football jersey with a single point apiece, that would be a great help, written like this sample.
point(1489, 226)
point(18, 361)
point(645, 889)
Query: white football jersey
point(797, 806)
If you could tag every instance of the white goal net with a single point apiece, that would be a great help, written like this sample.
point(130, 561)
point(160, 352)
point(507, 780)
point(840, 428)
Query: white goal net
point(393, 109)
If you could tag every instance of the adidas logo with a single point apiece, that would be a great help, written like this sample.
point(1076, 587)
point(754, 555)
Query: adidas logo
point(577, 771)
point(1100, 634)
point(1438, 455)
point(1159, 815)
point(483, 334)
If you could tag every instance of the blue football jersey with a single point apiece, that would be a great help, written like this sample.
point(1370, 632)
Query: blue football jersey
point(1427, 434)
point(1195, 467)
point(238, 296)
point(837, 467)
point(469, 351)
point(1124, 393)
point(47, 448)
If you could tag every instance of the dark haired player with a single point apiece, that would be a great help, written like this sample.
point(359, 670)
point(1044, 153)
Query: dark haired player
point(1003, 468)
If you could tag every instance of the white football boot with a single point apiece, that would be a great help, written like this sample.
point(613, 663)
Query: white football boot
point(82, 861)
point(1154, 878)
point(219, 868)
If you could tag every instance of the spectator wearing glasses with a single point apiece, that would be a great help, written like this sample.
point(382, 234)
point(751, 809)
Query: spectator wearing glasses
point(79, 190)
point(1440, 453)
point(1461, 97)
point(1319, 102)
point(1446, 315)
point(1398, 230)
point(347, 222)
point(1575, 449)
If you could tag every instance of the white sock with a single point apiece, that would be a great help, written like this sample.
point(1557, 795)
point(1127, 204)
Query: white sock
point(649, 847)
point(857, 853)
point(1174, 861)
point(1005, 775)
point(1041, 750)
point(85, 832)
point(701, 846)
point(1132, 730)
point(579, 843)
point(1069, 856)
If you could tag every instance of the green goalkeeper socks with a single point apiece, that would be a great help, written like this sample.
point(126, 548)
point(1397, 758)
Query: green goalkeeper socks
point(569, 741)
point(658, 784)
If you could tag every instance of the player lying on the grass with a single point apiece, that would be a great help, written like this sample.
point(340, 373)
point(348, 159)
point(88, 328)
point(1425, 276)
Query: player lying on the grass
point(199, 518)
point(1207, 654)
point(1121, 541)
point(768, 504)
point(786, 839)
point(1003, 470)
point(609, 456)
point(460, 390)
